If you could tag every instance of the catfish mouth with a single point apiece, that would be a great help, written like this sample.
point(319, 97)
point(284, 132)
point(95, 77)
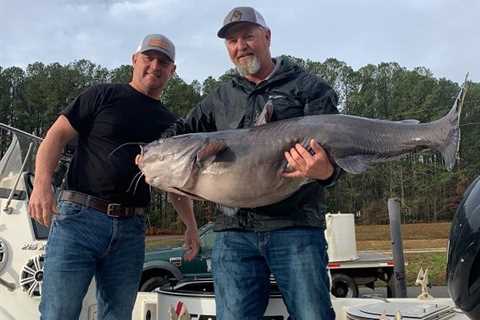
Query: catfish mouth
point(189, 194)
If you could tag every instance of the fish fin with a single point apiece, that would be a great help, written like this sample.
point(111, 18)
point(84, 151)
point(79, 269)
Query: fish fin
point(266, 115)
point(286, 167)
point(355, 164)
point(228, 211)
point(410, 121)
point(208, 152)
point(450, 150)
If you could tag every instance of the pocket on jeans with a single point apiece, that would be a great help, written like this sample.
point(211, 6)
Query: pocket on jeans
point(68, 209)
point(140, 222)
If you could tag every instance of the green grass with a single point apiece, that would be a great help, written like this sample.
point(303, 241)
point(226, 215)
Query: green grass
point(436, 262)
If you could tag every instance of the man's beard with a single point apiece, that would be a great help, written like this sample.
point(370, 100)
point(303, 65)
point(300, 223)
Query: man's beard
point(248, 67)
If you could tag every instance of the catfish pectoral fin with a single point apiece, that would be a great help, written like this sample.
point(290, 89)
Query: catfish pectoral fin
point(208, 152)
point(285, 168)
point(355, 164)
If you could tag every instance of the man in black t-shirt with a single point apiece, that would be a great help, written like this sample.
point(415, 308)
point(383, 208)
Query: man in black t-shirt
point(98, 228)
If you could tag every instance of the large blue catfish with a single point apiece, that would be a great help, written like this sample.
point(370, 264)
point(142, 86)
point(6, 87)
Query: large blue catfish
point(242, 168)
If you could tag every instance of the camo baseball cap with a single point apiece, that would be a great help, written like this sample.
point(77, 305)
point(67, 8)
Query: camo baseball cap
point(158, 42)
point(241, 14)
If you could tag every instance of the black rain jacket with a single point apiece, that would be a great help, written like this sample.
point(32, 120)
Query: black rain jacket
point(236, 103)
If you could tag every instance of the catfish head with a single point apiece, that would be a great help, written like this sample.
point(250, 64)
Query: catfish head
point(172, 164)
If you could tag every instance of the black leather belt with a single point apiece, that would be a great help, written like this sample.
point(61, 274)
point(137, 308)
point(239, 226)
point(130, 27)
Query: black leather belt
point(114, 210)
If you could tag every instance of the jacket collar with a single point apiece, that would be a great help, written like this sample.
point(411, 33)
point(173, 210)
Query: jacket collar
point(284, 69)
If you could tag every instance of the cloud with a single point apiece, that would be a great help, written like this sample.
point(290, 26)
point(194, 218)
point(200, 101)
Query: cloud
point(437, 34)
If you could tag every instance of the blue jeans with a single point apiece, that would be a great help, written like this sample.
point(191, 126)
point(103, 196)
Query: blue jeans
point(297, 257)
point(85, 243)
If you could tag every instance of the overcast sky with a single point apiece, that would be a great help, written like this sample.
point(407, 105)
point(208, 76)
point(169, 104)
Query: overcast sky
point(442, 35)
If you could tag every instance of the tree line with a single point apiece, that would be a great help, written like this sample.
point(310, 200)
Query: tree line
point(32, 97)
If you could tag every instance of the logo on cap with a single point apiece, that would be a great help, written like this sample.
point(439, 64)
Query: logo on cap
point(157, 43)
point(236, 16)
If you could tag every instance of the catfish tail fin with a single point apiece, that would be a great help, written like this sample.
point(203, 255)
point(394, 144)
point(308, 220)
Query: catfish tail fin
point(450, 149)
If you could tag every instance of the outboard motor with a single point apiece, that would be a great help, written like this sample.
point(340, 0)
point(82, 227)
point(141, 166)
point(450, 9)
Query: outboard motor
point(463, 268)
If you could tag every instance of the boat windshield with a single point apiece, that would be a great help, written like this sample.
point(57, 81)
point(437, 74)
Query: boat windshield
point(16, 170)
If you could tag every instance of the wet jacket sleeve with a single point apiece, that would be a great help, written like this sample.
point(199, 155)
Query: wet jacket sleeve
point(320, 98)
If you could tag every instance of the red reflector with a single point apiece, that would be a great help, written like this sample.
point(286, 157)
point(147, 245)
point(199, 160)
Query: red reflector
point(334, 265)
point(390, 263)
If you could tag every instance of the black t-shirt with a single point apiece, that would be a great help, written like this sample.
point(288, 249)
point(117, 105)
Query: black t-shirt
point(105, 117)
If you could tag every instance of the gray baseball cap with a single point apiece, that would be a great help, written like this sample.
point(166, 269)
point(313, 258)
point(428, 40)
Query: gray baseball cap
point(241, 14)
point(158, 42)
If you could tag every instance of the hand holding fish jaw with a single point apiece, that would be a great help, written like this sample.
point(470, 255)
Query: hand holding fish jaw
point(305, 164)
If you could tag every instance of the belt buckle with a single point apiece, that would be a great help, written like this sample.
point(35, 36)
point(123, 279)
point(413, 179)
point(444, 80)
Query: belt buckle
point(111, 207)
